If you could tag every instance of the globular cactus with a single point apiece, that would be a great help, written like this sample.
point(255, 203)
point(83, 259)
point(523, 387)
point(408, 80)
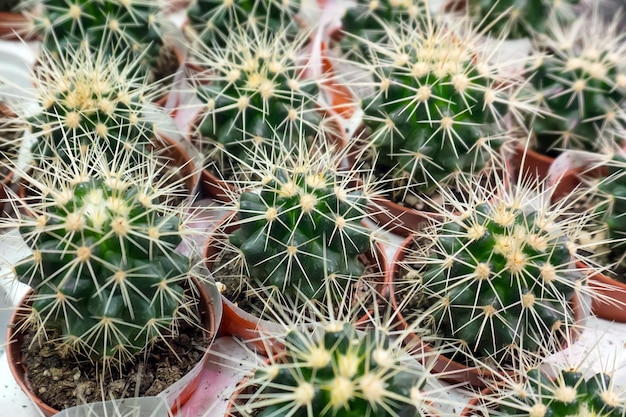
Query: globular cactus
point(213, 20)
point(82, 98)
point(256, 99)
point(436, 108)
point(370, 21)
point(128, 28)
point(107, 279)
point(555, 392)
point(338, 372)
point(581, 84)
point(514, 19)
point(300, 228)
point(609, 197)
point(500, 273)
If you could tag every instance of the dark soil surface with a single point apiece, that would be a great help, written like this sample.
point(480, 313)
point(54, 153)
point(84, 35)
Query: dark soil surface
point(63, 381)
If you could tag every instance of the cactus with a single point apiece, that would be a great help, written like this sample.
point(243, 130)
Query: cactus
point(339, 373)
point(86, 97)
point(255, 98)
point(132, 29)
point(609, 196)
point(213, 20)
point(106, 276)
point(514, 19)
point(436, 109)
point(301, 227)
point(370, 22)
point(566, 392)
point(581, 84)
point(500, 272)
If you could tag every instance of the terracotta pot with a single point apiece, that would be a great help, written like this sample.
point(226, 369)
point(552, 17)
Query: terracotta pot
point(175, 154)
point(246, 326)
point(176, 395)
point(15, 27)
point(610, 302)
point(536, 167)
point(444, 367)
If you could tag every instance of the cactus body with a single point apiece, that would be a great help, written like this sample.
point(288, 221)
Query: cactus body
point(514, 19)
point(85, 98)
point(256, 99)
point(104, 268)
point(612, 205)
point(301, 230)
point(369, 21)
point(342, 374)
point(499, 278)
point(568, 394)
point(582, 87)
point(213, 20)
point(435, 110)
point(115, 27)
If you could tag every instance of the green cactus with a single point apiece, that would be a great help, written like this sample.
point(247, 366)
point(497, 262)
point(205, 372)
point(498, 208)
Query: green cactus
point(501, 275)
point(567, 394)
point(256, 99)
point(369, 21)
point(213, 20)
point(341, 373)
point(106, 276)
point(303, 229)
point(127, 28)
point(85, 97)
point(581, 85)
point(514, 19)
point(610, 197)
point(436, 108)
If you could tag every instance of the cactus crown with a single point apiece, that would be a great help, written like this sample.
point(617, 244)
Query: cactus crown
point(581, 84)
point(513, 19)
point(300, 227)
point(107, 279)
point(568, 393)
point(129, 27)
point(213, 20)
point(256, 98)
point(86, 97)
point(436, 107)
point(339, 372)
point(500, 275)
